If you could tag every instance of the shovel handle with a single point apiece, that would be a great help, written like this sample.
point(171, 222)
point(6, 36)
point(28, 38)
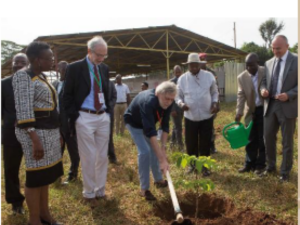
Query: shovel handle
point(179, 217)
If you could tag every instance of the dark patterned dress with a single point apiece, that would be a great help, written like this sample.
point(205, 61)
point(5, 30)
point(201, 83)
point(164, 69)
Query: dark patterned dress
point(36, 102)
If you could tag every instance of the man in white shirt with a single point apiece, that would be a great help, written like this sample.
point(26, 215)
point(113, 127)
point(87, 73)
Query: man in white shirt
point(123, 99)
point(198, 96)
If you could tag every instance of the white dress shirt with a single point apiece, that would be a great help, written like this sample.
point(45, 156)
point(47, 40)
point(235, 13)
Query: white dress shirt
point(254, 81)
point(280, 78)
point(198, 93)
point(122, 91)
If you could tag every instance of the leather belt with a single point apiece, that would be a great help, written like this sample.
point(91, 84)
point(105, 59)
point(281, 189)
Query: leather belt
point(121, 103)
point(92, 111)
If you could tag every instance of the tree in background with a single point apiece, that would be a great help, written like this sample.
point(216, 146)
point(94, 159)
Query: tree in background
point(263, 53)
point(294, 48)
point(8, 49)
point(269, 29)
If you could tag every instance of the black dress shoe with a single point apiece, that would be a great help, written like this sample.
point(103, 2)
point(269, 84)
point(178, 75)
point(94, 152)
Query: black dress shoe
point(284, 178)
point(44, 222)
point(70, 179)
point(18, 210)
point(245, 169)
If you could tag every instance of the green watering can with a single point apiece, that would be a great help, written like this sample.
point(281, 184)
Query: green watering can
point(238, 135)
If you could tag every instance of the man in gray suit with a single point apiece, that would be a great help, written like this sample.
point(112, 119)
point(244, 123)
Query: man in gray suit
point(279, 88)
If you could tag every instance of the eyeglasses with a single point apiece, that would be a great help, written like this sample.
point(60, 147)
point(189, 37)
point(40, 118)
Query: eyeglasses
point(100, 55)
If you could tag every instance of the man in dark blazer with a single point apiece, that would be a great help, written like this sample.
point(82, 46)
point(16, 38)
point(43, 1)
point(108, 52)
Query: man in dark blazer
point(279, 88)
point(112, 102)
point(86, 101)
point(177, 115)
point(70, 141)
point(12, 150)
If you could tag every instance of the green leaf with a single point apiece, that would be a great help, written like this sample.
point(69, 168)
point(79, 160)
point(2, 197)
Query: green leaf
point(183, 162)
point(199, 166)
point(179, 161)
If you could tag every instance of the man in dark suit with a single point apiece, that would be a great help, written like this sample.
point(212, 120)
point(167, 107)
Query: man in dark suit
point(86, 101)
point(12, 150)
point(71, 141)
point(279, 88)
point(112, 102)
point(177, 115)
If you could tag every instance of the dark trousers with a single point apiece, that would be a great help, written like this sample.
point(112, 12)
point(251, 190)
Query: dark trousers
point(255, 149)
point(12, 157)
point(213, 136)
point(111, 147)
point(71, 142)
point(198, 136)
point(176, 137)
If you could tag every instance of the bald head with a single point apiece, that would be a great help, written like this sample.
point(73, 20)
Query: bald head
point(62, 68)
point(19, 61)
point(280, 46)
point(177, 71)
point(252, 63)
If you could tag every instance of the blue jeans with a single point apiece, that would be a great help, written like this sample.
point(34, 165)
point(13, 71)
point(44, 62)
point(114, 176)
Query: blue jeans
point(146, 158)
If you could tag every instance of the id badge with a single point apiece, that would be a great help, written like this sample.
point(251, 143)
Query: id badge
point(159, 134)
point(101, 98)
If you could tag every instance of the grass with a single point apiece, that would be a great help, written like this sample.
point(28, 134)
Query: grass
point(124, 206)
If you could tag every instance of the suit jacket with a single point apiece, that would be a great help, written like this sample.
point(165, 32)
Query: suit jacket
point(112, 96)
point(175, 107)
point(78, 86)
point(289, 85)
point(246, 94)
point(8, 113)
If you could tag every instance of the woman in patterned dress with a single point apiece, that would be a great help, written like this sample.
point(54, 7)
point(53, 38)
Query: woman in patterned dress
point(37, 130)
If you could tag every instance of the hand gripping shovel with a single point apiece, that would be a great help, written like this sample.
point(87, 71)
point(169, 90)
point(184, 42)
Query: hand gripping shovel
point(177, 210)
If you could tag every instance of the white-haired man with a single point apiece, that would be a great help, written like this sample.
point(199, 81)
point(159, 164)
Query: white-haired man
point(86, 103)
point(145, 110)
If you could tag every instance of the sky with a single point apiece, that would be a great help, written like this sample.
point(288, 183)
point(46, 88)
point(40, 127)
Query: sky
point(219, 29)
point(213, 19)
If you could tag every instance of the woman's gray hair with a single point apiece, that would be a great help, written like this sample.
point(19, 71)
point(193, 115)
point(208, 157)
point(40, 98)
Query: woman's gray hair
point(166, 87)
point(97, 40)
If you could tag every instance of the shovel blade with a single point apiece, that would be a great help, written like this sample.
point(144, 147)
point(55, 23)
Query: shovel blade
point(184, 222)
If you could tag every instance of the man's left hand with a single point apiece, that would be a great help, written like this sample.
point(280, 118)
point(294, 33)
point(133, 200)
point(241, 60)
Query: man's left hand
point(283, 97)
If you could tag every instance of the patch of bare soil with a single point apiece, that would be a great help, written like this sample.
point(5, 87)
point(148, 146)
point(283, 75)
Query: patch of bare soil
point(214, 210)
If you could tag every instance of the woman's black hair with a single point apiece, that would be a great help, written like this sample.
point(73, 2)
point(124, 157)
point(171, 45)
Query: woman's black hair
point(35, 48)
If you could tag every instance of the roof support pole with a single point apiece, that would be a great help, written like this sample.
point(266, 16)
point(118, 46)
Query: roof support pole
point(167, 47)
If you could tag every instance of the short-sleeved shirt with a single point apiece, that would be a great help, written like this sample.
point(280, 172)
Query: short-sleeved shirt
point(122, 91)
point(144, 112)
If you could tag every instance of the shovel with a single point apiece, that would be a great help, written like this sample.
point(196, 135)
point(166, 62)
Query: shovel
point(177, 210)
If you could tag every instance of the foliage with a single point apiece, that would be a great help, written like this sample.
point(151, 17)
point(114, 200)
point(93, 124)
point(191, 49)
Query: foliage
point(263, 53)
point(8, 49)
point(269, 29)
point(183, 160)
point(294, 48)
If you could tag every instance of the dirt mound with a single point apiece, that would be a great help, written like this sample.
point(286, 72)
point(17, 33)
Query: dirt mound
point(214, 210)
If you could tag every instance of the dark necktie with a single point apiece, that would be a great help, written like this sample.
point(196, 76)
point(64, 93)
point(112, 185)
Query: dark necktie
point(97, 103)
point(274, 81)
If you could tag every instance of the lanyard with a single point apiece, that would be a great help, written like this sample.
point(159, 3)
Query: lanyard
point(99, 82)
point(160, 118)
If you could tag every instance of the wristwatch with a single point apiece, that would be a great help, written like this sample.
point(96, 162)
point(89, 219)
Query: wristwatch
point(30, 129)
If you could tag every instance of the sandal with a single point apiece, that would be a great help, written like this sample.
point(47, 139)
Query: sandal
point(148, 196)
point(163, 184)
